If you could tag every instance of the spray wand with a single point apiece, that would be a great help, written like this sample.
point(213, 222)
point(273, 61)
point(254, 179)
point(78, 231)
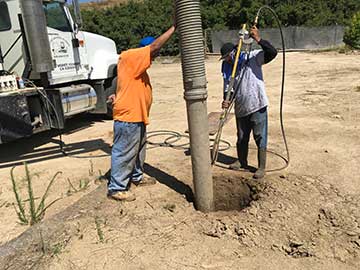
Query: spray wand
point(225, 111)
point(1, 62)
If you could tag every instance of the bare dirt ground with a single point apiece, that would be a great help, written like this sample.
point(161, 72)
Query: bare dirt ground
point(304, 217)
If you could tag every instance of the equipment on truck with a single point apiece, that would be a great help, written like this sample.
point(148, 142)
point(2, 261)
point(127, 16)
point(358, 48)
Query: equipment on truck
point(50, 70)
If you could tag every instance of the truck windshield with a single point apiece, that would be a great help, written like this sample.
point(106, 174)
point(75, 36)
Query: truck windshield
point(56, 17)
point(5, 23)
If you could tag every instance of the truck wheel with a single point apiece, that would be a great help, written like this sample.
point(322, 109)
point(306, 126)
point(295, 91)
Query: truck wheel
point(110, 89)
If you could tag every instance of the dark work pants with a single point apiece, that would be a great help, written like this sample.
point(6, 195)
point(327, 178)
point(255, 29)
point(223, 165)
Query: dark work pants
point(256, 122)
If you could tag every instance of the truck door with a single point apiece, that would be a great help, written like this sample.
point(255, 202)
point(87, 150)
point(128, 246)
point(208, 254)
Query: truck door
point(67, 46)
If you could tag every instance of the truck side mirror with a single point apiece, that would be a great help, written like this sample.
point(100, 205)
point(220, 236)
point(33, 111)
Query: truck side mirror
point(78, 19)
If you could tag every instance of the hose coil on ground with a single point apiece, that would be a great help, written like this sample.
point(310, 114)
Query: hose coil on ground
point(171, 139)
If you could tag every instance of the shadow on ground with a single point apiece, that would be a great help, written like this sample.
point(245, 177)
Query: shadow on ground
point(170, 181)
point(32, 150)
point(163, 178)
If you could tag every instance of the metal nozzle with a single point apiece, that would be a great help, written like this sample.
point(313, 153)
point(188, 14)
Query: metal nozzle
point(242, 31)
point(256, 20)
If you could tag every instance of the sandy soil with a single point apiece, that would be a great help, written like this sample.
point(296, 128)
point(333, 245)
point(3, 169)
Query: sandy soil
point(304, 217)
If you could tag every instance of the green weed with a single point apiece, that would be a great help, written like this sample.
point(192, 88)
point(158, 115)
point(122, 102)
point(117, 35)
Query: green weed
point(35, 213)
point(170, 207)
point(99, 231)
point(83, 184)
point(91, 170)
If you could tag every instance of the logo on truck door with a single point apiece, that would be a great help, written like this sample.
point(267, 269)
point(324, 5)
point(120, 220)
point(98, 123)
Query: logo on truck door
point(59, 47)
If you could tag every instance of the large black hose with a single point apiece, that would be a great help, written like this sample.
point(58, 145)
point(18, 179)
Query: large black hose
point(287, 159)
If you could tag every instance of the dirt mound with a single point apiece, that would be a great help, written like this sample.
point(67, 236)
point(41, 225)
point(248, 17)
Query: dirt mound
point(292, 216)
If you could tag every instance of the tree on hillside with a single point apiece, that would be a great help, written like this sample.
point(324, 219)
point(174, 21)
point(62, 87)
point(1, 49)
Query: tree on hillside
point(226, 14)
point(352, 32)
point(127, 23)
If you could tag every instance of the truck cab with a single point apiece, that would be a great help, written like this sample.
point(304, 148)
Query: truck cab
point(66, 71)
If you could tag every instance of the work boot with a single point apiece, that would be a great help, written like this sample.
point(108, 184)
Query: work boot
point(125, 195)
point(260, 172)
point(241, 163)
point(237, 166)
point(145, 181)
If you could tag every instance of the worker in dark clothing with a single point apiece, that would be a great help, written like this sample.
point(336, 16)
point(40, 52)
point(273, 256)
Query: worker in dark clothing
point(250, 99)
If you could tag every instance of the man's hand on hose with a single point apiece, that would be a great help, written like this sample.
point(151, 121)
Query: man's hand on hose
point(111, 99)
point(254, 33)
point(225, 104)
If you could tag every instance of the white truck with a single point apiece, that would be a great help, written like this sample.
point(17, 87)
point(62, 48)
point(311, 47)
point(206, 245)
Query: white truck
point(49, 69)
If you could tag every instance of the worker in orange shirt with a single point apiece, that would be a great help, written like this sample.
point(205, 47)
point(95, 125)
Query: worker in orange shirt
point(132, 104)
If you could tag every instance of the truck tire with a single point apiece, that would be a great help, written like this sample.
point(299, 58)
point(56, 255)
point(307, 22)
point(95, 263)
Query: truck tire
point(110, 89)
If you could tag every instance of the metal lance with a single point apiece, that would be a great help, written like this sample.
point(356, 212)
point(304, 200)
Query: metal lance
point(188, 22)
point(1, 61)
point(37, 36)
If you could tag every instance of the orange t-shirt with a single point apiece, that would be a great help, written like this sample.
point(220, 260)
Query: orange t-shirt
point(134, 92)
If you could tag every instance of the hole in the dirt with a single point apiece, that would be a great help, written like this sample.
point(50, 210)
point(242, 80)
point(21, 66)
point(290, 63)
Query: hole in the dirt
point(233, 192)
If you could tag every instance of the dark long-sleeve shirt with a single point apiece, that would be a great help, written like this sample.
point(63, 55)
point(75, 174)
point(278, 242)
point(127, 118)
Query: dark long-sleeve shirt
point(269, 51)
point(250, 91)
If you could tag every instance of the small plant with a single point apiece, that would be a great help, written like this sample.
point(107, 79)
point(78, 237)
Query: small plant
point(102, 177)
point(170, 207)
point(56, 249)
point(91, 170)
point(83, 184)
point(99, 231)
point(35, 213)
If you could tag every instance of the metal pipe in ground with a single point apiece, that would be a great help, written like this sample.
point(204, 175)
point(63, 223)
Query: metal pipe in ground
point(188, 20)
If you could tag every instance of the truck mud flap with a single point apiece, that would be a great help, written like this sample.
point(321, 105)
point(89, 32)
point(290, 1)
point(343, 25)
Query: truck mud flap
point(15, 120)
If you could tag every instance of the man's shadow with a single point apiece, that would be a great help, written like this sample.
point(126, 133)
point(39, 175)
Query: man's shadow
point(163, 178)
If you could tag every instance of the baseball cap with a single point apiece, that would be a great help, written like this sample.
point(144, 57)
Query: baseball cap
point(146, 41)
point(226, 50)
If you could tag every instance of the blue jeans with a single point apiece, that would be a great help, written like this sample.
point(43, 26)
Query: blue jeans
point(127, 155)
point(256, 122)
